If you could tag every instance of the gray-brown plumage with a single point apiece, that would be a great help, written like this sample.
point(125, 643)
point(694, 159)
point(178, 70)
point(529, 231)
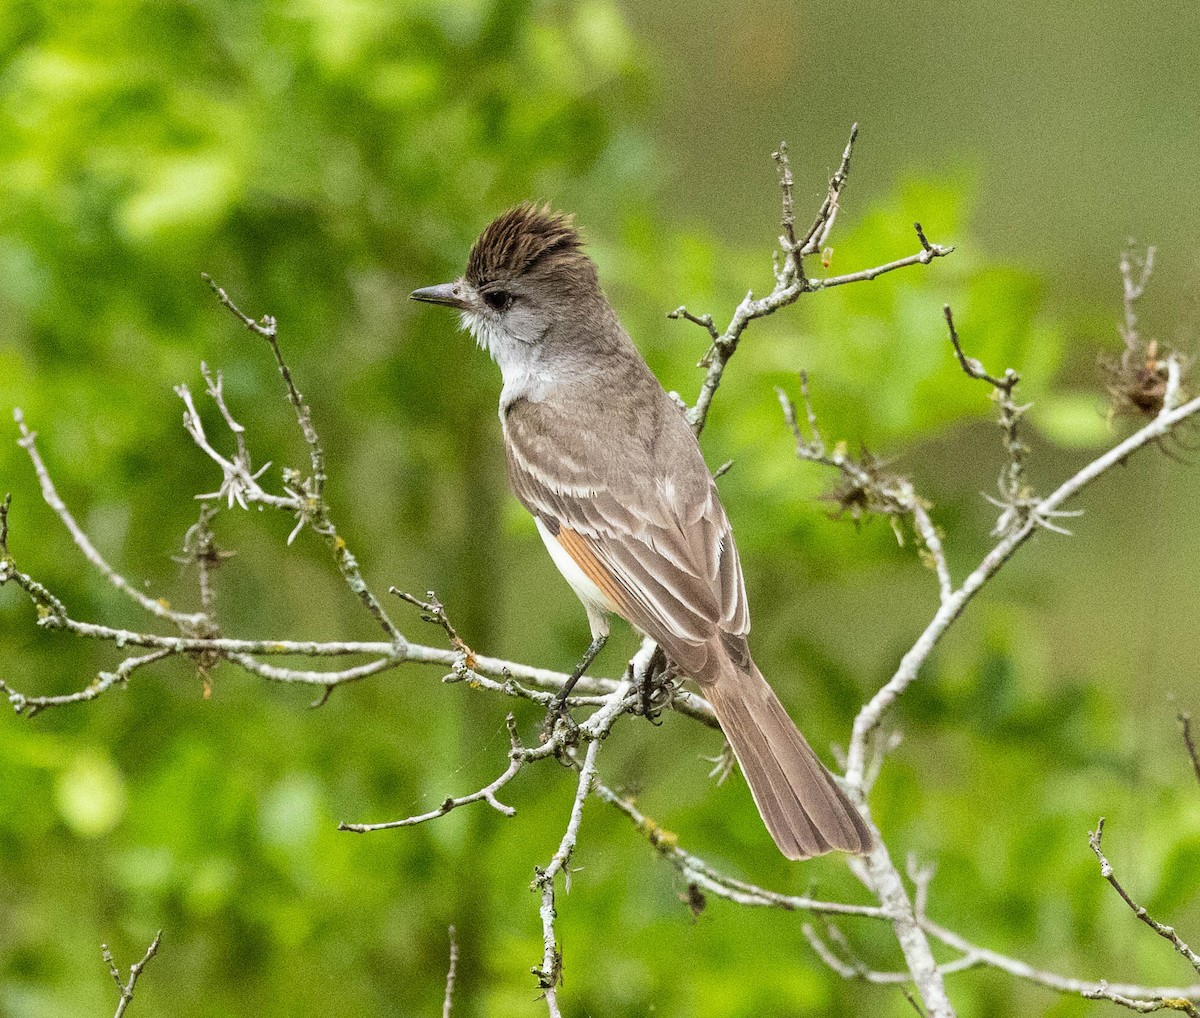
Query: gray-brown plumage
point(606, 463)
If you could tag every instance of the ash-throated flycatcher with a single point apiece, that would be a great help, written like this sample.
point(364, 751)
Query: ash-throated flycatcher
point(614, 478)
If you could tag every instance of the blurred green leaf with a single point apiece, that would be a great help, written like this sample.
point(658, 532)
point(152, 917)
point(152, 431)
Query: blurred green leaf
point(91, 795)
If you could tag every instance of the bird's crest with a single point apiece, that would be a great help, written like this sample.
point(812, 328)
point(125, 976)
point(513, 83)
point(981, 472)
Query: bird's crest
point(519, 238)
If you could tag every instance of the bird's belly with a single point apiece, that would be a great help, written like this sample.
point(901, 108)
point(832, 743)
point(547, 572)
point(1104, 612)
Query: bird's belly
point(594, 600)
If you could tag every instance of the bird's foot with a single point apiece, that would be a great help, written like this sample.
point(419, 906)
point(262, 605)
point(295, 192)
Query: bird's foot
point(655, 687)
point(559, 713)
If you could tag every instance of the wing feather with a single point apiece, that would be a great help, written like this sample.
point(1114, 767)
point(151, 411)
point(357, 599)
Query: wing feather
point(661, 551)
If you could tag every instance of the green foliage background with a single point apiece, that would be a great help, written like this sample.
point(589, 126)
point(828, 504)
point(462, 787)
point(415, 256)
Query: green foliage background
point(320, 160)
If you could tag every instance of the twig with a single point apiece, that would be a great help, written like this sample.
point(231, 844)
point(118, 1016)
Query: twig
point(872, 713)
point(267, 329)
point(973, 368)
point(1042, 977)
point(310, 677)
point(135, 970)
point(1017, 499)
point(866, 486)
point(823, 951)
point(788, 220)
point(915, 1004)
point(549, 972)
point(704, 321)
point(53, 614)
point(200, 547)
point(1166, 932)
point(923, 257)
point(448, 1003)
point(33, 705)
point(434, 611)
point(305, 496)
point(712, 881)
point(853, 967)
point(1185, 720)
point(695, 870)
point(1132, 290)
point(933, 545)
point(159, 608)
point(818, 234)
point(790, 280)
point(517, 758)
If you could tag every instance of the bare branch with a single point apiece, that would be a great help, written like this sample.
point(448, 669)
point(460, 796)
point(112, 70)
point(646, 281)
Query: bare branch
point(786, 182)
point(200, 547)
point(866, 486)
point(1189, 743)
point(704, 321)
point(981, 956)
point(700, 874)
point(549, 972)
point(305, 496)
point(932, 541)
point(1132, 290)
point(846, 970)
point(517, 758)
point(309, 677)
point(434, 611)
point(927, 254)
point(267, 329)
point(1166, 932)
point(910, 665)
point(1042, 977)
point(973, 368)
point(53, 614)
point(135, 970)
point(1017, 498)
point(448, 1002)
point(157, 607)
point(853, 967)
point(104, 681)
point(818, 234)
point(884, 881)
point(695, 870)
point(790, 280)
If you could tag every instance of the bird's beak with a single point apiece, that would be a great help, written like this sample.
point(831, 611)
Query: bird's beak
point(450, 295)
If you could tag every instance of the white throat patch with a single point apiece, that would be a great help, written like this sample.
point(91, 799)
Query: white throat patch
point(517, 359)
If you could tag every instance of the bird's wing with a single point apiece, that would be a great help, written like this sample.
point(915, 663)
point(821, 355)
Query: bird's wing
point(640, 515)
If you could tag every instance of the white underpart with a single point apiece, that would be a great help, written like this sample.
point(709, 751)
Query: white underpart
point(595, 603)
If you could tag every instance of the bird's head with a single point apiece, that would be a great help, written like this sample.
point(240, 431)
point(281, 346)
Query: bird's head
point(529, 288)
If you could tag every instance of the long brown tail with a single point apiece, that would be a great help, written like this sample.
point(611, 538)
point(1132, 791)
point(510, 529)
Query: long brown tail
point(802, 806)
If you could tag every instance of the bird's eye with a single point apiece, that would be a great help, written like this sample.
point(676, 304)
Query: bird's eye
point(497, 300)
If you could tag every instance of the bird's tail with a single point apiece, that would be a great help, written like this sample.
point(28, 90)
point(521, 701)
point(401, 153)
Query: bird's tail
point(802, 806)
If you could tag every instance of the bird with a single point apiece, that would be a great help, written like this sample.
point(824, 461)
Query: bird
point(614, 478)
